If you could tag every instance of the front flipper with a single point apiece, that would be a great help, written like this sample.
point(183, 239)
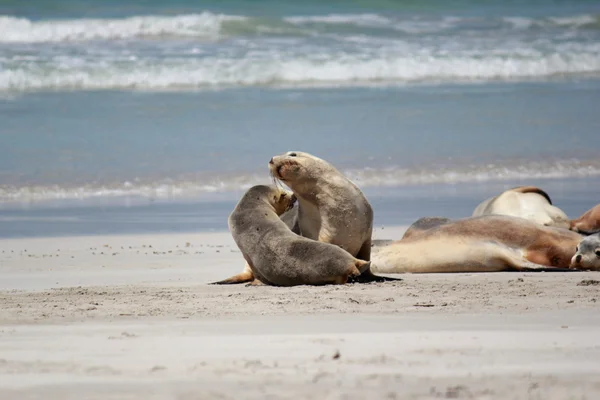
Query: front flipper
point(256, 282)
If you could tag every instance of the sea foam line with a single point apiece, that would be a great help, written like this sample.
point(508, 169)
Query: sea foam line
point(350, 69)
point(366, 177)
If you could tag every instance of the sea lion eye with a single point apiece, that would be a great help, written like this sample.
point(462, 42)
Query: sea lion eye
point(292, 154)
point(598, 253)
point(576, 249)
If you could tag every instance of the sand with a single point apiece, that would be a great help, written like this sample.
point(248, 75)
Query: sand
point(132, 317)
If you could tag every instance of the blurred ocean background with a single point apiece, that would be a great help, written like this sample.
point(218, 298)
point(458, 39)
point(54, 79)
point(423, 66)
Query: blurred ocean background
point(153, 115)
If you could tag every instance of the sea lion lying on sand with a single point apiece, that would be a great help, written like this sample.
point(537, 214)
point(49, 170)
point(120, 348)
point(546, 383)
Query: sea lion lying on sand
point(587, 254)
point(477, 244)
point(275, 254)
point(527, 202)
point(588, 223)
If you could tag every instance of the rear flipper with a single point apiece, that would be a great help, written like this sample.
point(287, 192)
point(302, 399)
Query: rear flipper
point(245, 276)
point(517, 262)
point(365, 275)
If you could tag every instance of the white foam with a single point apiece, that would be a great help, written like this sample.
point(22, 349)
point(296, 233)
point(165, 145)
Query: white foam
point(260, 69)
point(366, 177)
point(21, 30)
point(354, 19)
point(475, 173)
point(416, 25)
point(577, 20)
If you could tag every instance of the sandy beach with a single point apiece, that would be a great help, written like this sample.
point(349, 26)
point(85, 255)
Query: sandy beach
point(112, 317)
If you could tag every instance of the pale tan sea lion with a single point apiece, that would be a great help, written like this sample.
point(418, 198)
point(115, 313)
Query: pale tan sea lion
point(275, 254)
point(331, 208)
point(479, 244)
point(588, 223)
point(527, 202)
point(587, 254)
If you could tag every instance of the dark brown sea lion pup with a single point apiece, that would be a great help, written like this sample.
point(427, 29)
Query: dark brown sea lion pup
point(588, 223)
point(278, 256)
point(587, 254)
point(527, 202)
point(477, 244)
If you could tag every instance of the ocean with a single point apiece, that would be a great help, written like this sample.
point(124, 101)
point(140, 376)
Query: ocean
point(154, 116)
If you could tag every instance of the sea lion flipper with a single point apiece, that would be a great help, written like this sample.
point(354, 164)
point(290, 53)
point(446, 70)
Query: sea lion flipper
point(242, 277)
point(532, 189)
point(362, 265)
point(367, 276)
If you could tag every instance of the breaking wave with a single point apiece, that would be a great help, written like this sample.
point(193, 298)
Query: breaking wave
point(21, 30)
point(209, 50)
point(273, 70)
point(210, 25)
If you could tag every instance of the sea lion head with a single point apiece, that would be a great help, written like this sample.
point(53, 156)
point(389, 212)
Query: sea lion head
point(587, 254)
point(297, 169)
point(281, 200)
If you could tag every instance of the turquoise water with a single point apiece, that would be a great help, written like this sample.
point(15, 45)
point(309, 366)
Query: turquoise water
point(126, 104)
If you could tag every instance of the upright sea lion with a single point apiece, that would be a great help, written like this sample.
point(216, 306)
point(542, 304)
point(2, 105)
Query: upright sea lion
point(588, 223)
point(527, 202)
point(478, 244)
point(331, 208)
point(587, 254)
point(275, 254)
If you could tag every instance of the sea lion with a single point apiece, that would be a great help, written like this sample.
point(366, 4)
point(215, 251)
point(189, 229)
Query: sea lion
point(588, 223)
point(331, 208)
point(478, 244)
point(587, 255)
point(527, 202)
point(275, 254)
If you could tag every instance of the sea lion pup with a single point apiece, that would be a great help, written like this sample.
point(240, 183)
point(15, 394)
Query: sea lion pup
point(479, 244)
point(278, 256)
point(527, 202)
point(588, 223)
point(331, 209)
point(587, 255)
